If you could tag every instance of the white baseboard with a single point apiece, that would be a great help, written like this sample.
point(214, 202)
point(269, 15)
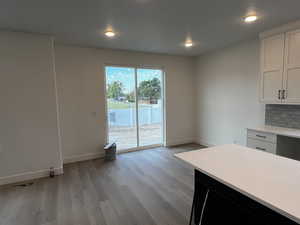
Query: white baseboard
point(204, 143)
point(18, 178)
point(139, 148)
point(83, 157)
point(180, 141)
point(77, 158)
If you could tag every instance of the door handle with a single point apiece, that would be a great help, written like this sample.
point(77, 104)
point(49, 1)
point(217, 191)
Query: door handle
point(279, 94)
point(260, 136)
point(283, 94)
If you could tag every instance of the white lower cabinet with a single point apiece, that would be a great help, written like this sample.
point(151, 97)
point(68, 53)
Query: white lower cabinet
point(261, 145)
point(262, 136)
point(262, 141)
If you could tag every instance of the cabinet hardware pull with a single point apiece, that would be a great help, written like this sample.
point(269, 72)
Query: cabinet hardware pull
point(283, 94)
point(279, 94)
point(263, 149)
point(260, 136)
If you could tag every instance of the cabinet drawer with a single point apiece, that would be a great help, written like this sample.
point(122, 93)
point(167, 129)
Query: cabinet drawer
point(262, 136)
point(261, 145)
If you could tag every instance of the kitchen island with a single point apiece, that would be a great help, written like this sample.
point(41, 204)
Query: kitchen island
point(239, 185)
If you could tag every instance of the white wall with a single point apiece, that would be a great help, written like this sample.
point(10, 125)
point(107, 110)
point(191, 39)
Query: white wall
point(29, 142)
point(228, 94)
point(80, 73)
point(211, 99)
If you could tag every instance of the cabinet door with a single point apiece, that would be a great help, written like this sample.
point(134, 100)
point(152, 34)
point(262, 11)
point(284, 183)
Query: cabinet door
point(272, 60)
point(220, 210)
point(292, 67)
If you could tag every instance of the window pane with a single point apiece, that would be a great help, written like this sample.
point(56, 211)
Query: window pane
point(150, 113)
point(121, 106)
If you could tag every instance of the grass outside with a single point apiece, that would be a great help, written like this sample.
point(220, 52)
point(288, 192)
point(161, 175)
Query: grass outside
point(122, 105)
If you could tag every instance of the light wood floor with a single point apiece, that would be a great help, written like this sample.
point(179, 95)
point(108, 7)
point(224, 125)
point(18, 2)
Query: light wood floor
point(139, 188)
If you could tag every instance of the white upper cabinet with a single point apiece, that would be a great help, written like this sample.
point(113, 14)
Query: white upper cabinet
point(272, 53)
point(291, 81)
point(280, 66)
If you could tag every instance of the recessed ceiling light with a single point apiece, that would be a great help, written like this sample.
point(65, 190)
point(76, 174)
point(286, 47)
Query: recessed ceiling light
point(110, 33)
point(188, 44)
point(250, 19)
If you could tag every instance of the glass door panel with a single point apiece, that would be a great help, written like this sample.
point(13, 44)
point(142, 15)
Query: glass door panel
point(121, 106)
point(150, 106)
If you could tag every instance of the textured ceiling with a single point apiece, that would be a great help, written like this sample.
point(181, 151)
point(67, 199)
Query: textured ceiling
point(159, 26)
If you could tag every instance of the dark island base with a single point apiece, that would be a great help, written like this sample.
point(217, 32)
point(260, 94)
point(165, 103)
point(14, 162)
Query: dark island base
point(215, 204)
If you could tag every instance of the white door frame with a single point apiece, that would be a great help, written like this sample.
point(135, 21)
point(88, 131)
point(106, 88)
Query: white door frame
point(163, 94)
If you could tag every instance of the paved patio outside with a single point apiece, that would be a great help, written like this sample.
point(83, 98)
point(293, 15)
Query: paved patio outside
point(125, 137)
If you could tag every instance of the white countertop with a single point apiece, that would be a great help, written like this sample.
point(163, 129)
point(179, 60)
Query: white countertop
point(278, 130)
point(271, 180)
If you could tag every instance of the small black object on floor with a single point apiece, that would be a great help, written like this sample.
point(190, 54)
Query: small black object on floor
point(110, 151)
point(52, 172)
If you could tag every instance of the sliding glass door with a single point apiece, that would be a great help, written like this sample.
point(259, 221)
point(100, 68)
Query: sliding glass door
point(150, 108)
point(121, 106)
point(134, 106)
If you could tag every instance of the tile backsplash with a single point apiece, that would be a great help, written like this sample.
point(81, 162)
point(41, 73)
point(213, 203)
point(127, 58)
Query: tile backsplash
point(283, 116)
